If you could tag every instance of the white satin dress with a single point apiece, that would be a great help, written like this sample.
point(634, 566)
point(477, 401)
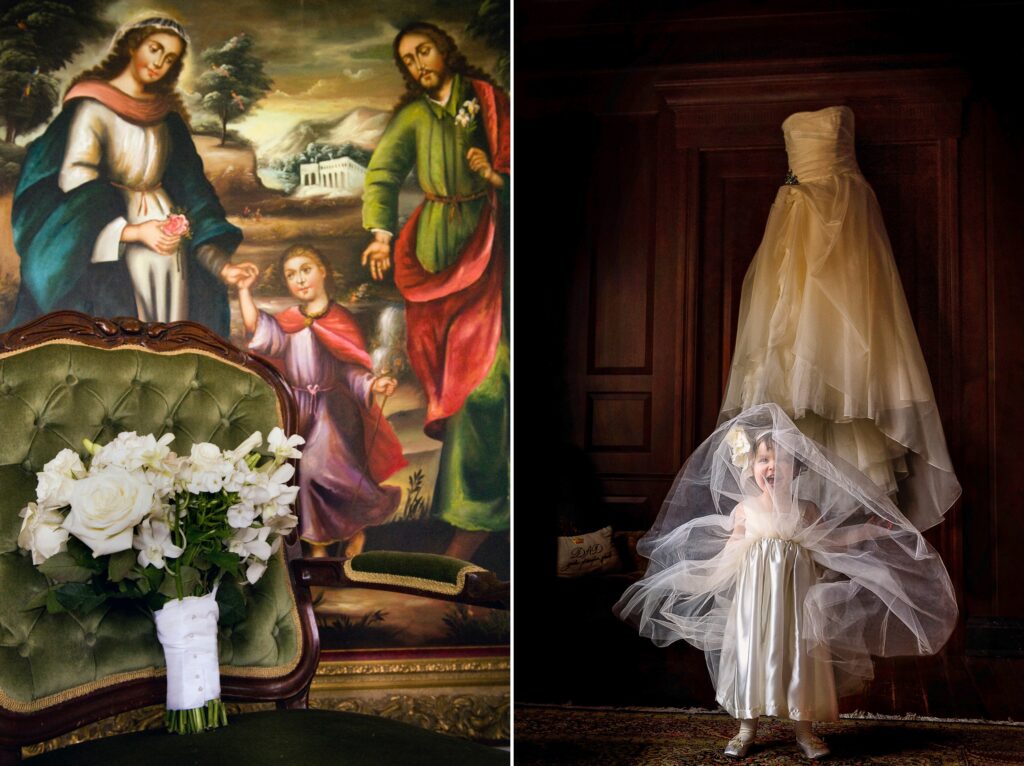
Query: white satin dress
point(825, 331)
point(768, 669)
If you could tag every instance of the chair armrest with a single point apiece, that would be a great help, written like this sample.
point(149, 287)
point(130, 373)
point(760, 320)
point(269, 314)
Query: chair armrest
point(418, 574)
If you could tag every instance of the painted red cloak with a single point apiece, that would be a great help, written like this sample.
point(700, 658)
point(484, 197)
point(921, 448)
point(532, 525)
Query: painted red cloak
point(454, 316)
point(339, 333)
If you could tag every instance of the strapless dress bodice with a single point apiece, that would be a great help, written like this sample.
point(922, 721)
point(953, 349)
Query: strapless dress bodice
point(820, 143)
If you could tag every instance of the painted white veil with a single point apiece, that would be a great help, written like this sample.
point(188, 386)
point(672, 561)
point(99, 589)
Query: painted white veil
point(876, 586)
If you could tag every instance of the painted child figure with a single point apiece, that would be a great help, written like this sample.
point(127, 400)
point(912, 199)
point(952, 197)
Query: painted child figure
point(350, 447)
point(790, 569)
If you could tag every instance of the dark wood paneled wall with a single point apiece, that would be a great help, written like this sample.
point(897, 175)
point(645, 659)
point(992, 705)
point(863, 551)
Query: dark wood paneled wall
point(668, 160)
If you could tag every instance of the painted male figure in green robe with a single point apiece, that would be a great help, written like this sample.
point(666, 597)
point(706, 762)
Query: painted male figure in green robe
point(450, 264)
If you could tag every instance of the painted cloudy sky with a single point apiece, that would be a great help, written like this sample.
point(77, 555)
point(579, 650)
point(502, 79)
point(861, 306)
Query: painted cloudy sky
point(325, 56)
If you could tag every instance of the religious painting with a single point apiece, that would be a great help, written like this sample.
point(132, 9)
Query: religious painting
point(326, 183)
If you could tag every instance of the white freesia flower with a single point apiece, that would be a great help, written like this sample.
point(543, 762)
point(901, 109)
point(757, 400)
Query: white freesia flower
point(462, 119)
point(238, 478)
point(740, 447)
point(277, 483)
point(281, 474)
point(283, 447)
point(155, 454)
point(241, 515)
point(257, 566)
point(105, 508)
point(255, 570)
point(255, 491)
point(251, 542)
point(161, 482)
point(125, 451)
point(154, 543)
point(207, 468)
point(281, 522)
point(207, 457)
point(255, 439)
point(41, 532)
point(55, 483)
point(472, 106)
point(272, 510)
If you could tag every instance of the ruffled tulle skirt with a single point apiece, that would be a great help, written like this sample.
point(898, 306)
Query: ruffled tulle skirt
point(825, 332)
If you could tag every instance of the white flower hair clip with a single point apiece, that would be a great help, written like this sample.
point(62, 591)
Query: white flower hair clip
point(739, 446)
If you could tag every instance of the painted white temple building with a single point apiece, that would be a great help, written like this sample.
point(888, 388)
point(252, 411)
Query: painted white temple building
point(343, 174)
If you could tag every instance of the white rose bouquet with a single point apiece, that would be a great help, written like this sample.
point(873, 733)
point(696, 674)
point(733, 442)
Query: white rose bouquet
point(173, 533)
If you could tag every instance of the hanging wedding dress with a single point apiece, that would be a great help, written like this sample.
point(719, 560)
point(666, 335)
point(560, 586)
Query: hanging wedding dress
point(824, 328)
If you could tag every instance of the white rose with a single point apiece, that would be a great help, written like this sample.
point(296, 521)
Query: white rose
point(41, 532)
point(55, 483)
point(106, 507)
point(53, 489)
point(66, 462)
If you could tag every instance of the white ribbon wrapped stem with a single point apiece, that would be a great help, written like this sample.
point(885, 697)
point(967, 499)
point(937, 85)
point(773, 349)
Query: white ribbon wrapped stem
point(187, 629)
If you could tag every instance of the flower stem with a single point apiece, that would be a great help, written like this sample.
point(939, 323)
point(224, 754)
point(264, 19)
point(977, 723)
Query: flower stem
point(211, 716)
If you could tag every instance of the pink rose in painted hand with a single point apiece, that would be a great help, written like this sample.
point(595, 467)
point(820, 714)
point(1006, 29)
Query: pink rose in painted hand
point(175, 226)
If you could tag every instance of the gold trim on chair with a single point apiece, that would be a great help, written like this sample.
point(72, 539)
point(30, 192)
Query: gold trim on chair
point(405, 581)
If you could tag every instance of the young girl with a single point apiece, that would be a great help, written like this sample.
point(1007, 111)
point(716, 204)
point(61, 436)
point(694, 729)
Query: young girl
point(97, 188)
point(350, 447)
point(790, 569)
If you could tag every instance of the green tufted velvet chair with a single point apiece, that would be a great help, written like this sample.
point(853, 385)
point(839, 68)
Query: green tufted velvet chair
point(66, 377)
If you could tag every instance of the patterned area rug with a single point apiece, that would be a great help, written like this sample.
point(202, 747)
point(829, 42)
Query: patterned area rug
point(563, 736)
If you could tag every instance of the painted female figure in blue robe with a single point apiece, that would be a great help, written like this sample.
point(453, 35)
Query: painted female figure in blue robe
point(97, 188)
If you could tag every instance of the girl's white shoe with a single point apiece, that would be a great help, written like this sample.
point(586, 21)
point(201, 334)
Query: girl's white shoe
point(814, 747)
point(739, 746)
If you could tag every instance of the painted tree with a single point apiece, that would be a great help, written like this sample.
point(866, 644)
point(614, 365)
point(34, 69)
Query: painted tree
point(38, 37)
point(493, 25)
point(234, 83)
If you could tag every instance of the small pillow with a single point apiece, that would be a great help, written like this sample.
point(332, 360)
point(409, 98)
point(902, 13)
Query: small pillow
point(585, 554)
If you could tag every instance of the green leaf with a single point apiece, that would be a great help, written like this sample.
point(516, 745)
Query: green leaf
point(231, 603)
point(62, 567)
point(189, 583)
point(37, 601)
point(226, 560)
point(53, 606)
point(120, 564)
point(79, 597)
point(82, 554)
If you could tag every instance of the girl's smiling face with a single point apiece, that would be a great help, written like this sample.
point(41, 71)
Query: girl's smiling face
point(305, 278)
point(155, 56)
point(764, 468)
